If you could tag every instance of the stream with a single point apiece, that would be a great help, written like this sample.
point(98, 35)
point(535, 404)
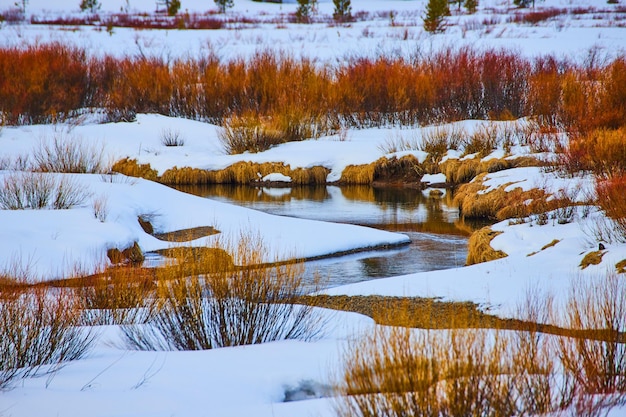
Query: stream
point(438, 236)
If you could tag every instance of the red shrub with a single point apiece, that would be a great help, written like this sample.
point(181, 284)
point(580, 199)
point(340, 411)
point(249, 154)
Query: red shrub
point(42, 82)
point(611, 194)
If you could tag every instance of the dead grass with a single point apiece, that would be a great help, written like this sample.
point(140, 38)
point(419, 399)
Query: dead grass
point(131, 168)
point(549, 245)
point(236, 303)
point(498, 204)
point(621, 267)
point(598, 366)
point(395, 371)
point(592, 258)
point(463, 171)
point(358, 174)
point(479, 247)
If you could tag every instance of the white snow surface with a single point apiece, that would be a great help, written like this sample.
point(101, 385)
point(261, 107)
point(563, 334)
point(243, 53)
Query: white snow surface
point(113, 381)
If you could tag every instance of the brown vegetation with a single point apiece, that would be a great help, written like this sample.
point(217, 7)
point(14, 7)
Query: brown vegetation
point(204, 304)
point(395, 371)
point(479, 247)
point(611, 197)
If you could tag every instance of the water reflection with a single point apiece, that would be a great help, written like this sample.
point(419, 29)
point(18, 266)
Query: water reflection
point(390, 208)
point(438, 236)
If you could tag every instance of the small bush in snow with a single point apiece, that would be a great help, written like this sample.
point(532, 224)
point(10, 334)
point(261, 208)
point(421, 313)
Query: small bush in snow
point(68, 154)
point(29, 190)
point(230, 306)
point(38, 333)
point(171, 137)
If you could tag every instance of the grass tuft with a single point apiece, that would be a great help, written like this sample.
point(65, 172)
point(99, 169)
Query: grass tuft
point(479, 247)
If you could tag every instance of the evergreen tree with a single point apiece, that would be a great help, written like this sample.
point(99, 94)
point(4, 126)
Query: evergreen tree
point(172, 7)
point(343, 11)
point(91, 5)
point(524, 3)
point(436, 12)
point(471, 6)
point(222, 5)
point(305, 11)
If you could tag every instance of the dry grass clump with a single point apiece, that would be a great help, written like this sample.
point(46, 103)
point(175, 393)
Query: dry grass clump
point(186, 176)
point(620, 267)
point(459, 171)
point(171, 137)
point(132, 168)
point(436, 142)
point(592, 258)
point(394, 371)
point(406, 169)
point(482, 142)
point(68, 154)
point(250, 132)
point(30, 190)
point(499, 204)
point(247, 133)
point(39, 333)
point(242, 172)
point(611, 197)
point(358, 174)
point(479, 247)
point(246, 304)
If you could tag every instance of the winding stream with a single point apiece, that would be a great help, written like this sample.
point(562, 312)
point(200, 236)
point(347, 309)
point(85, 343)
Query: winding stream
point(438, 237)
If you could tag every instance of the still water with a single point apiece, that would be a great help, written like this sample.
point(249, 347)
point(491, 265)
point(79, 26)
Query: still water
point(438, 237)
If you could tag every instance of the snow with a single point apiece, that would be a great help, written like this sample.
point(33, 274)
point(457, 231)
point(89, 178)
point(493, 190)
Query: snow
point(113, 381)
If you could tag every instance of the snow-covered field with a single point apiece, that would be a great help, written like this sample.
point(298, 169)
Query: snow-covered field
point(252, 380)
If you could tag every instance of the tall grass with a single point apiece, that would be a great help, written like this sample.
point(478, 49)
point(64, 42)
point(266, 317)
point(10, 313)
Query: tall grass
point(611, 197)
point(227, 306)
point(39, 333)
point(396, 371)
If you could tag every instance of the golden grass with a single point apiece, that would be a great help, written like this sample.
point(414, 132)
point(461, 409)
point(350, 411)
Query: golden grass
point(499, 204)
point(404, 170)
point(242, 172)
point(463, 171)
point(185, 175)
point(479, 247)
point(358, 174)
point(395, 371)
point(39, 330)
point(549, 245)
point(621, 266)
point(592, 258)
point(131, 168)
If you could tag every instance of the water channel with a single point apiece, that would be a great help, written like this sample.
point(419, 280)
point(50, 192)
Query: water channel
point(438, 236)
